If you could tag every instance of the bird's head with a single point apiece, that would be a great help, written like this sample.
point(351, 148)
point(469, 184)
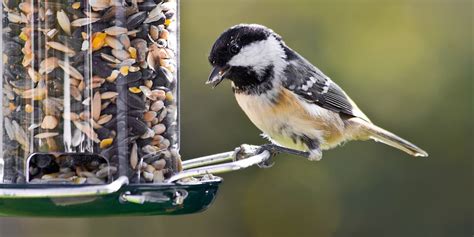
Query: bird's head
point(246, 54)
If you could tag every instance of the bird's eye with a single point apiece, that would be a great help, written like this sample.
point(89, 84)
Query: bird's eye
point(234, 48)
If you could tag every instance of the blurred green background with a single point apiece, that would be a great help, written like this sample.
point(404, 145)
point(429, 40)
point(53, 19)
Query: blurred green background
point(408, 65)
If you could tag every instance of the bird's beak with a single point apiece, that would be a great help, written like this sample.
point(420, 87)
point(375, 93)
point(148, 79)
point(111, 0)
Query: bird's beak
point(217, 75)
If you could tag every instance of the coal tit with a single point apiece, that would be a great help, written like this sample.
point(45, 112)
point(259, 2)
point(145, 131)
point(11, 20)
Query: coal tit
point(295, 104)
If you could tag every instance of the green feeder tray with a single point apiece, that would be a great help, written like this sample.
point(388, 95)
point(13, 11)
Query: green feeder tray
point(134, 199)
point(180, 194)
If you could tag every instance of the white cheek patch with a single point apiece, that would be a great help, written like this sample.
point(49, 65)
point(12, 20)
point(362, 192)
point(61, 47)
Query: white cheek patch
point(259, 55)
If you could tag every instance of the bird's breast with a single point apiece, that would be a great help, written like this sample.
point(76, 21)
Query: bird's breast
point(285, 119)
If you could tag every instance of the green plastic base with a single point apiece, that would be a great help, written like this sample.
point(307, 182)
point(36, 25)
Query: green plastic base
point(160, 202)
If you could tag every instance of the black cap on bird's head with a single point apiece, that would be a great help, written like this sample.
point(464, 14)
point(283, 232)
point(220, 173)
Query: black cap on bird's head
point(244, 51)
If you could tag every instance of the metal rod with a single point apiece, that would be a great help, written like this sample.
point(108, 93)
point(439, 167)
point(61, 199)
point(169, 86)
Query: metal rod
point(221, 168)
point(204, 165)
point(64, 191)
point(208, 160)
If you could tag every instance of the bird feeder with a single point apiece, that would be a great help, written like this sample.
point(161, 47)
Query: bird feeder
point(90, 118)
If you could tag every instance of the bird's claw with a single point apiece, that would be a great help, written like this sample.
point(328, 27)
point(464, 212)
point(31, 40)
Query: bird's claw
point(268, 163)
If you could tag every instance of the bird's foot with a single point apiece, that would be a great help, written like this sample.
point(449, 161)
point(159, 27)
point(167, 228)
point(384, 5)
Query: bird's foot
point(245, 151)
point(315, 155)
point(275, 149)
point(268, 163)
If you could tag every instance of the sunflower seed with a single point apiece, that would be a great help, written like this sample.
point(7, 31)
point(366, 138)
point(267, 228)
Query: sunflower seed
point(124, 40)
point(156, 12)
point(138, 127)
point(154, 32)
point(142, 49)
point(136, 20)
point(168, 6)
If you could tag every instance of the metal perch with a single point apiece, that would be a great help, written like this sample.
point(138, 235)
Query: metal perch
point(242, 157)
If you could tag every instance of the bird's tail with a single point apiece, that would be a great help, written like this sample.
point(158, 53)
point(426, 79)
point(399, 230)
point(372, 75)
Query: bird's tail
point(381, 135)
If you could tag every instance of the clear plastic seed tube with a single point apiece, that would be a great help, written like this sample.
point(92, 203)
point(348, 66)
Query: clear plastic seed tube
point(89, 91)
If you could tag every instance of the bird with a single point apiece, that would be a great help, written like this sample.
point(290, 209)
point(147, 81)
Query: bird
point(290, 100)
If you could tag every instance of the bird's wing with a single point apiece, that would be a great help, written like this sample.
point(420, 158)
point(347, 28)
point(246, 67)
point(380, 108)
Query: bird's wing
point(308, 82)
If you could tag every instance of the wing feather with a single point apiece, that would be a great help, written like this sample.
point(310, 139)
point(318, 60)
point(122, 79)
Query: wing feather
point(307, 81)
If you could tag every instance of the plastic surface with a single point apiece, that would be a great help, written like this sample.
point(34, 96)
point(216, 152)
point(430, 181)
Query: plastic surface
point(173, 199)
point(90, 94)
